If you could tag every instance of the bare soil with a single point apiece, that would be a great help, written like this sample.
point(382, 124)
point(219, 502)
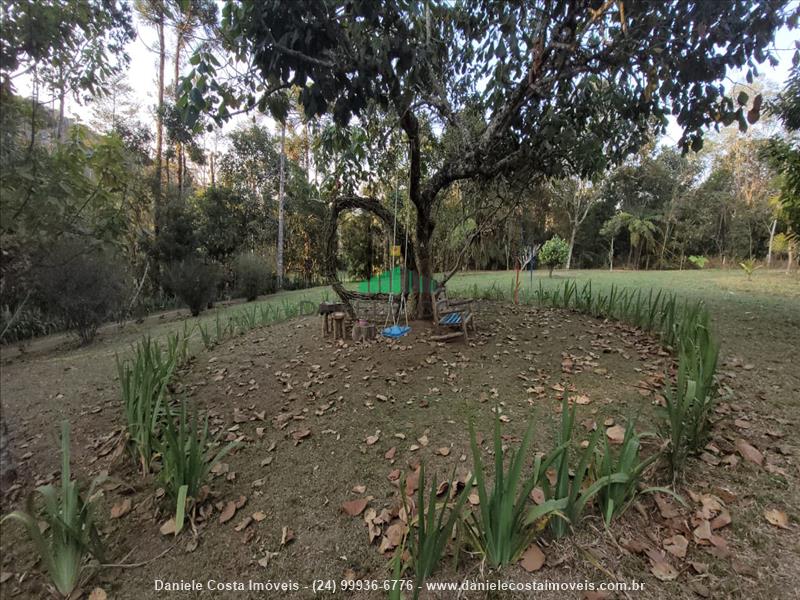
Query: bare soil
point(306, 413)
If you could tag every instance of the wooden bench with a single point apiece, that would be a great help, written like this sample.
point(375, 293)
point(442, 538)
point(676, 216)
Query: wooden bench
point(454, 314)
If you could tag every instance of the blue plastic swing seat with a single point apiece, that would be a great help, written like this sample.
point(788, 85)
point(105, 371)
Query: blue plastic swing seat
point(451, 319)
point(395, 331)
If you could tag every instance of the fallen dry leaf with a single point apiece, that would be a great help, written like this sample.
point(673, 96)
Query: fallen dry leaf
point(676, 545)
point(532, 559)
point(98, 594)
point(287, 535)
point(749, 453)
point(663, 570)
point(777, 517)
point(259, 516)
point(616, 434)
point(356, 507)
point(228, 512)
point(359, 489)
point(443, 451)
point(390, 453)
point(168, 527)
point(121, 509)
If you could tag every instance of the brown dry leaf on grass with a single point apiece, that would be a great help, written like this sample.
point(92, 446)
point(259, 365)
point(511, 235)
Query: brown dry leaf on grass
point(532, 559)
point(776, 517)
point(443, 451)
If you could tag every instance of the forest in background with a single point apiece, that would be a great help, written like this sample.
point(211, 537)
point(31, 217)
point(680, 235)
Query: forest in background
point(122, 215)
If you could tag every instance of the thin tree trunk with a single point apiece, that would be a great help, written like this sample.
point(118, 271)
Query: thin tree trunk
point(771, 238)
point(60, 129)
point(611, 256)
point(159, 115)
point(213, 182)
point(571, 245)
point(281, 204)
point(177, 69)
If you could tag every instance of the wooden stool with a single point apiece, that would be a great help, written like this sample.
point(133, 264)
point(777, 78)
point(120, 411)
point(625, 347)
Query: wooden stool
point(363, 331)
point(325, 310)
point(338, 325)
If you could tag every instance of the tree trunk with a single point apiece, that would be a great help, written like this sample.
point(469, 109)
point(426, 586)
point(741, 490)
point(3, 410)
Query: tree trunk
point(178, 145)
point(211, 161)
point(771, 239)
point(611, 256)
point(571, 245)
point(791, 258)
point(162, 50)
point(62, 97)
point(281, 204)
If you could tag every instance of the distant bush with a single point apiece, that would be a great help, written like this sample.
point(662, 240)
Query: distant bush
point(253, 276)
point(553, 253)
point(194, 282)
point(698, 261)
point(81, 286)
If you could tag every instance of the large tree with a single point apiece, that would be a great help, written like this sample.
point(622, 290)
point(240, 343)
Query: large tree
point(561, 86)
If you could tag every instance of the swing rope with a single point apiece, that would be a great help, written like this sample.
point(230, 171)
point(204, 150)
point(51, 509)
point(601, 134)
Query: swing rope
point(396, 330)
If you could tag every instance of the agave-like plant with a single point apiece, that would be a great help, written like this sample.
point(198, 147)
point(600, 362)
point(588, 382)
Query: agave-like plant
point(625, 468)
point(503, 528)
point(71, 535)
point(569, 491)
point(185, 464)
point(427, 545)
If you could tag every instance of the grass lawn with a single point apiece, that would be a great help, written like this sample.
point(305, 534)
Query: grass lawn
point(372, 410)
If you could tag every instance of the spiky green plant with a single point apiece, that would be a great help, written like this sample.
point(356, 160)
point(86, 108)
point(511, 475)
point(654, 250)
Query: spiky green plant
point(502, 528)
point(614, 498)
point(690, 401)
point(571, 490)
point(185, 463)
point(208, 339)
point(143, 383)
point(427, 544)
point(70, 535)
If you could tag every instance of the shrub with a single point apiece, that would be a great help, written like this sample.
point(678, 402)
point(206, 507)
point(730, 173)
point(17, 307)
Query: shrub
point(553, 253)
point(81, 286)
point(194, 282)
point(70, 533)
point(749, 267)
point(698, 261)
point(253, 276)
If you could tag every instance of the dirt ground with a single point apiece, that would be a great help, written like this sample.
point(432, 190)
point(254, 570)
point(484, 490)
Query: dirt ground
point(320, 424)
